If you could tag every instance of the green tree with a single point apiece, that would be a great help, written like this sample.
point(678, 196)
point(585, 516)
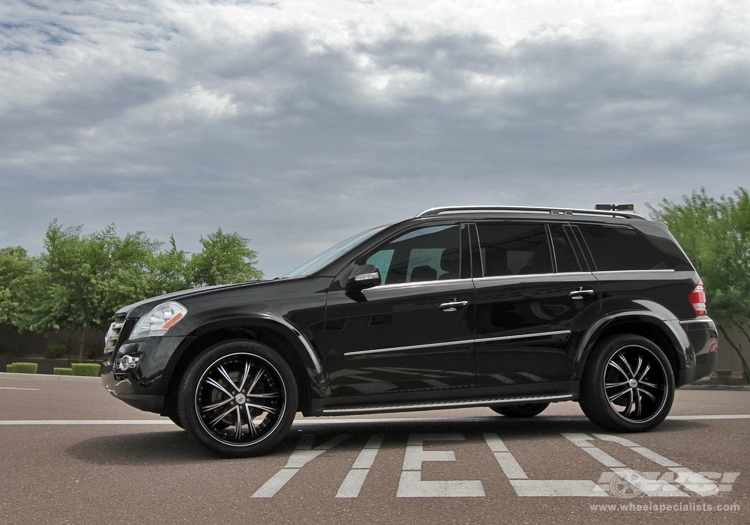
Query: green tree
point(15, 264)
point(225, 259)
point(715, 233)
point(80, 280)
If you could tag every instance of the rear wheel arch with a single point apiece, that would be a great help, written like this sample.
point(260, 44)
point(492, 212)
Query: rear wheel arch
point(651, 328)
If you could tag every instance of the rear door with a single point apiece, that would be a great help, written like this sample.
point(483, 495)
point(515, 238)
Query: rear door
point(535, 294)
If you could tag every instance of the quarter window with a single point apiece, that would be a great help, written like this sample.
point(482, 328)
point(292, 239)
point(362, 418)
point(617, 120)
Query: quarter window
point(619, 249)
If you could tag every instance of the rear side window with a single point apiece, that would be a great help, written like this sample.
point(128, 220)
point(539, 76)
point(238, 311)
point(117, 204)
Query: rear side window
point(620, 248)
point(514, 249)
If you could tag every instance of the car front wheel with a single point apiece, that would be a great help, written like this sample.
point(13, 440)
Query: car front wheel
point(238, 398)
point(627, 385)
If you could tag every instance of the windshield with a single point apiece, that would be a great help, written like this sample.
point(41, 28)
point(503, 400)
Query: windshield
point(334, 252)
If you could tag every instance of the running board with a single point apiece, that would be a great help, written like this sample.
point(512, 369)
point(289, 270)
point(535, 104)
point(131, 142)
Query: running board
point(515, 400)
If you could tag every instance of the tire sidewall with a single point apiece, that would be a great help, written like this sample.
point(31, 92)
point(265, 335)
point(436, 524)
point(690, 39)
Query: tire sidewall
point(190, 382)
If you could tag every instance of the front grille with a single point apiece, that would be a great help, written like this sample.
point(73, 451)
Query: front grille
point(113, 334)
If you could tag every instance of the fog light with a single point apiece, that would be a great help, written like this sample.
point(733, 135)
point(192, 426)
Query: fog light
point(127, 362)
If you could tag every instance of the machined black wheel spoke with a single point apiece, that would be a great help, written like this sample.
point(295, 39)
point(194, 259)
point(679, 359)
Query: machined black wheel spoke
point(220, 417)
point(216, 385)
point(619, 369)
point(270, 410)
point(238, 424)
point(255, 380)
point(649, 394)
point(619, 394)
point(244, 375)
point(627, 365)
point(267, 395)
point(250, 422)
point(227, 378)
point(208, 408)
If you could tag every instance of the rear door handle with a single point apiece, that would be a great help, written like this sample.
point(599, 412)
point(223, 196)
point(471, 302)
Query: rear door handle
point(453, 306)
point(580, 293)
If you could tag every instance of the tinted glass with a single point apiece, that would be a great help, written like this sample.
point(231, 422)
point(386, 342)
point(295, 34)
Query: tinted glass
point(514, 249)
point(565, 255)
point(426, 254)
point(621, 248)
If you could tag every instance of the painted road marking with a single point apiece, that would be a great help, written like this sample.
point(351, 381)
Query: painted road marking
point(17, 388)
point(660, 487)
point(302, 455)
point(354, 480)
point(526, 487)
point(329, 421)
point(411, 484)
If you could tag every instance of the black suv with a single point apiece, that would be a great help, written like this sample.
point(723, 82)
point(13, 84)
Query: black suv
point(505, 307)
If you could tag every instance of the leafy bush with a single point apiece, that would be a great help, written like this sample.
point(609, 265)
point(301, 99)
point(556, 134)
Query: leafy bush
point(56, 349)
point(24, 368)
point(62, 371)
point(9, 368)
point(86, 369)
point(92, 351)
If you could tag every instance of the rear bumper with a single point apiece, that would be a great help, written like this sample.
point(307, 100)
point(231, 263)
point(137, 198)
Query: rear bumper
point(704, 339)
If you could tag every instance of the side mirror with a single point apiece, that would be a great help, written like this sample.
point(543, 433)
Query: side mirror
point(362, 277)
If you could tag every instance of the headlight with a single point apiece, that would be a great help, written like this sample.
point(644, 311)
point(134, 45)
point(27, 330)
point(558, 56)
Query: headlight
point(159, 320)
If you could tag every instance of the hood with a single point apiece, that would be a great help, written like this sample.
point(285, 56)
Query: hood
point(147, 304)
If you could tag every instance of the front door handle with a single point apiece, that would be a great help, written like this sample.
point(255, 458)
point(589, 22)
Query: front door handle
point(453, 306)
point(580, 293)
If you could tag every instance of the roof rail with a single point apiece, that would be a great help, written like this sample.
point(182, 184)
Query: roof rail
point(530, 209)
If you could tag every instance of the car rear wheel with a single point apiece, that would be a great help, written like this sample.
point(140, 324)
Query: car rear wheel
point(527, 410)
point(627, 385)
point(238, 398)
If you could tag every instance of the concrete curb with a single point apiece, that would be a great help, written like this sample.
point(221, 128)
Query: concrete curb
point(49, 377)
point(716, 387)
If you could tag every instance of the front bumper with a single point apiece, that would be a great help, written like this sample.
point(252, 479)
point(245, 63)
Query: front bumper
point(144, 386)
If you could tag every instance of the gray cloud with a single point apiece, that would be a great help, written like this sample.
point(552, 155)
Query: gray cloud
point(137, 118)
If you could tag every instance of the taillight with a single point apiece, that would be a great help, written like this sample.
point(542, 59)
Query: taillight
point(698, 299)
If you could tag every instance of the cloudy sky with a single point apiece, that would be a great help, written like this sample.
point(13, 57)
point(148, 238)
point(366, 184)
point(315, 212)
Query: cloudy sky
point(298, 123)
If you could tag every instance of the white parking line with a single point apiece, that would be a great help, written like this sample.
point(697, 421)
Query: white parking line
point(354, 480)
point(17, 388)
point(411, 484)
point(353, 421)
point(685, 477)
point(302, 455)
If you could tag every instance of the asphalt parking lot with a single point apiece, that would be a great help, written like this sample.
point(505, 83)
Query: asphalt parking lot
point(73, 454)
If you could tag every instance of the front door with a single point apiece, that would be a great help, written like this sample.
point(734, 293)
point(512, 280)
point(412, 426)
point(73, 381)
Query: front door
point(413, 331)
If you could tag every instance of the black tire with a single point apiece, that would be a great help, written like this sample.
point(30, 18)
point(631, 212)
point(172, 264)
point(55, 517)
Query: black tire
point(527, 410)
point(238, 398)
point(175, 418)
point(627, 385)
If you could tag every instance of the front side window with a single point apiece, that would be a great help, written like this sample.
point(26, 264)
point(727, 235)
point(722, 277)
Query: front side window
point(424, 254)
point(514, 249)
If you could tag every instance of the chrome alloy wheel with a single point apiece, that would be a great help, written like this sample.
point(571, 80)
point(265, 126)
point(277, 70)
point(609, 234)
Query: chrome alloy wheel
point(635, 383)
point(240, 399)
